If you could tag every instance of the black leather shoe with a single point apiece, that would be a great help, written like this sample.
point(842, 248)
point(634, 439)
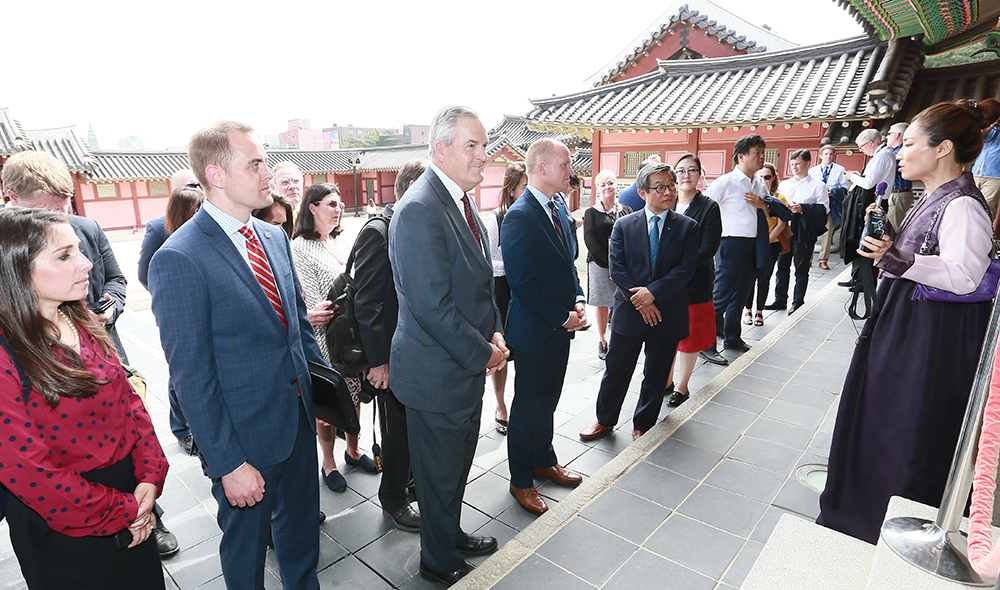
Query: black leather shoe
point(166, 542)
point(446, 578)
point(794, 307)
point(847, 283)
point(322, 517)
point(738, 346)
point(477, 545)
point(406, 518)
point(774, 305)
point(711, 355)
point(677, 398)
point(187, 444)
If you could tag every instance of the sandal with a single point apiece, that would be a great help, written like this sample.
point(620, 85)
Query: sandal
point(747, 318)
point(501, 425)
point(758, 319)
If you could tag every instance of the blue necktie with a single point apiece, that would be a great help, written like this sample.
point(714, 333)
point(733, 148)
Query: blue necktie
point(654, 242)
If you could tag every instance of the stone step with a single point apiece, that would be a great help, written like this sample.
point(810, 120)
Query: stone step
point(889, 571)
point(802, 554)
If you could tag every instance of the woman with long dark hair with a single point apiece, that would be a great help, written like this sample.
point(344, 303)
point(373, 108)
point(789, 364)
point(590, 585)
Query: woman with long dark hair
point(278, 213)
point(320, 254)
point(909, 381)
point(79, 458)
point(775, 226)
point(515, 180)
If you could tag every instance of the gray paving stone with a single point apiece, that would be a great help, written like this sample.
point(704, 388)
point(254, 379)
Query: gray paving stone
point(831, 418)
point(746, 480)
point(796, 497)
point(538, 572)
point(742, 400)
point(358, 527)
point(646, 571)
point(695, 545)
point(516, 517)
point(768, 372)
point(472, 519)
point(197, 565)
point(722, 509)
point(817, 382)
point(830, 365)
point(775, 358)
point(779, 432)
point(821, 400)
point(395, 556)
point(740, 567)
point(587, 550)
point(590, 462)
point(706, 436)
point(659, 485)
point(192, 527)
point(489, 494)
point(683, 458)
point(350, 572)
point(494, 528)
point(766, 454)
point(625, 514)
point(726, 417)
point(568, 448)
point(797, 414)
point(755, 385)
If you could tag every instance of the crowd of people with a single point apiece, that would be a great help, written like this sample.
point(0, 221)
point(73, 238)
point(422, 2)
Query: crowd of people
point(242, 266)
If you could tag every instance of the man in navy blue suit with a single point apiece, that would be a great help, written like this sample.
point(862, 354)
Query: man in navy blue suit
point(234, 329)
point(653, 254)
point(546, 307)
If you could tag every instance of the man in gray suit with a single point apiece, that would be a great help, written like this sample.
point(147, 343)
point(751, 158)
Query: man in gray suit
point(448, 337)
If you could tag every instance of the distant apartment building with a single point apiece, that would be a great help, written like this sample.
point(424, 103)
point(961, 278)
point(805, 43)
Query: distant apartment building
point(131, 143)
point(415, 134)
point(301, 136)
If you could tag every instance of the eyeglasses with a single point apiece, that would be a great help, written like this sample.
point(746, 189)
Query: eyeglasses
point(662, 188)
point(683, 171)
point(767, 176)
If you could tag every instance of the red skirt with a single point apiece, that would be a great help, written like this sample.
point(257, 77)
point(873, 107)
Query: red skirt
point(702, 319)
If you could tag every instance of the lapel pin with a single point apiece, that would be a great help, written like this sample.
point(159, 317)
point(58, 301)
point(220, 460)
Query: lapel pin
point(267, 235)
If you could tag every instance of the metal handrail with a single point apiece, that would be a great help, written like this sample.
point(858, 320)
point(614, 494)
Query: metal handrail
point(939, 547)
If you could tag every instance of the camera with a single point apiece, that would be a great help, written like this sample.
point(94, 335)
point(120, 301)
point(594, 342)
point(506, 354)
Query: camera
point(874, 226)
point(368, 391)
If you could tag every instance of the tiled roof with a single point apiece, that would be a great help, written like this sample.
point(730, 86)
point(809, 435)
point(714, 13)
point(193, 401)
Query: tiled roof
point(939, 24)
point(977, 81)
point(583, 162)
point(115, 165)
point(391, 158)
point(514, 132)
point(12, 139)
point(700, 19)
point(314, 161)
point(64, 144)
point(820, 82)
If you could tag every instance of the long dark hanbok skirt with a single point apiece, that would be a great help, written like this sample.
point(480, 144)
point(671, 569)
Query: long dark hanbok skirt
point(902, 408)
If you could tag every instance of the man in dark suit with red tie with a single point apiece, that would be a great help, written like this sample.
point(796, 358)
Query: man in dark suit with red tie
point(653, 255)
point(546, 307)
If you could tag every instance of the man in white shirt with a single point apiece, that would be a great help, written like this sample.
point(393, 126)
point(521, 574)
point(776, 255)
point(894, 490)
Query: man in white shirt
point(809, 201)
point(882, 165)
point(739, 195)
point(833, 176)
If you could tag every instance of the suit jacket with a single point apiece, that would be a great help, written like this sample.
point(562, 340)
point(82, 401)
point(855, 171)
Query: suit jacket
point(105, 276)
point(544, 286)
point(156, 234)
point(809, 224)
point(447, 317)
point(676, 260)
point(706, 212)
point(236, 370)
point(375, 303)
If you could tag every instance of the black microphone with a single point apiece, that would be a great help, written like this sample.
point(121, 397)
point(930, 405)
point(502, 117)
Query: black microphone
point(875, 226)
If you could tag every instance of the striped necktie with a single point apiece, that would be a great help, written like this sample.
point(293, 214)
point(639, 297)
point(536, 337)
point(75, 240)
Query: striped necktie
point(556, 223)
point(262, 270)
point(470, 219)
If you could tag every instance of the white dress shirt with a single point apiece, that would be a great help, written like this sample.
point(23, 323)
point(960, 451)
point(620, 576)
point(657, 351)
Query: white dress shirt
point(454, 190)
point(807, 191)
point(836, 178)
point(739, 218)
point(881, 168)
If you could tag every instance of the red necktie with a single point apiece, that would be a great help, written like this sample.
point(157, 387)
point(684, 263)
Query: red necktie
point(470, 220)
point(555, 222)
point(262, 270)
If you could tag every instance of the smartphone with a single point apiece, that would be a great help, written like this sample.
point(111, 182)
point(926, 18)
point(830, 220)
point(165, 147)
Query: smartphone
point(123, 539)
point(102, 306)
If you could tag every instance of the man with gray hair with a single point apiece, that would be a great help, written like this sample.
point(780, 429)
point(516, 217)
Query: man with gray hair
point(448, 337)
point(901, 198)
point(881, 167)
point(287, 182)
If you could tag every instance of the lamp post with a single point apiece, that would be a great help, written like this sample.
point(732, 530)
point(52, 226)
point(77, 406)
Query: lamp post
point(355, 161)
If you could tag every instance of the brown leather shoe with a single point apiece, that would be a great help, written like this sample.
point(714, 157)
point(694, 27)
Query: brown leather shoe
point(529, 499)
point(595, 430)
point(636, 434)
point(559, 475)
point(824, 266)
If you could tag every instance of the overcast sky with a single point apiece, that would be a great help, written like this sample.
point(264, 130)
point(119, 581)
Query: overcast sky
point(162, 70)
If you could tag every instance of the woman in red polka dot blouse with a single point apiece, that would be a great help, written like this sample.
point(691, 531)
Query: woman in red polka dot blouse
point(78, 456)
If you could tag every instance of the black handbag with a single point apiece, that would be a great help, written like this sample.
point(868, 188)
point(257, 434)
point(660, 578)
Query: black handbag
point(332, 401)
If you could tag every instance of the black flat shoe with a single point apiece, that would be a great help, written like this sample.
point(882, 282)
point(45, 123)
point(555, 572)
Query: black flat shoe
point(477, 545)
point(366, 463)
point(794, 307)
point(774, 306)
point(677, 398)
point(738, 346)
point(446, 578)
point(334, 480)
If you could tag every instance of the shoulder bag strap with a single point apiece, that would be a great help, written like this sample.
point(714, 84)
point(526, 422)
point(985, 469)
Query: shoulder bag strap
point(25, 381)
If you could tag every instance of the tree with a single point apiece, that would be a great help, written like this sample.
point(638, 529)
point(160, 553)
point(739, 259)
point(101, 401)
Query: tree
point(959, 56)
point(372, 139)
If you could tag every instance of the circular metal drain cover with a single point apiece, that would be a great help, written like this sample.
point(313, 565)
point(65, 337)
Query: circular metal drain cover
point(812, 475)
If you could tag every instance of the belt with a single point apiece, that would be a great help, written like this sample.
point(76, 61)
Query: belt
point(737, 238)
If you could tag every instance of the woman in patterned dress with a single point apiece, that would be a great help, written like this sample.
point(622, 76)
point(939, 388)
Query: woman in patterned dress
point(320, 253)
point(79, 459)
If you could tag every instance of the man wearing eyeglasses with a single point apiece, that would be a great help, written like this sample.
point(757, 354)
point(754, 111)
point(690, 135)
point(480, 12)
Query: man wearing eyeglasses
point(287, 182)
point(653, 254)
point(831, 174)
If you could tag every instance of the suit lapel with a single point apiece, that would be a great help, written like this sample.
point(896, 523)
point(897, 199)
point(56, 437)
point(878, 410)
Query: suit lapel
point(642, 228)
point(279, 268)
point(232, 257)
point(666, 235)
point(459, 223)
point(544, 217)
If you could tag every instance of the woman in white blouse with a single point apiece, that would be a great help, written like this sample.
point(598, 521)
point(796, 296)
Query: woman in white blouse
point(320, 253)
point(905, 394)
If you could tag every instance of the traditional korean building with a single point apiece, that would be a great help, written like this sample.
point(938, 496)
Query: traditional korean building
point(796, 97)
